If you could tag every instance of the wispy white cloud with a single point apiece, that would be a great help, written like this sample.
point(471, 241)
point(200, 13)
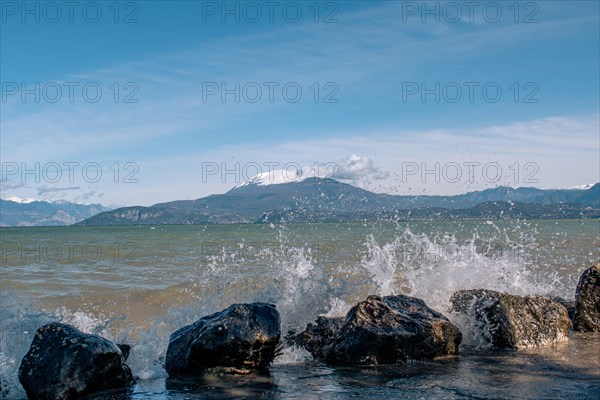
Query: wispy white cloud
point(6, 186)
point(50, 189)
point(87, 196)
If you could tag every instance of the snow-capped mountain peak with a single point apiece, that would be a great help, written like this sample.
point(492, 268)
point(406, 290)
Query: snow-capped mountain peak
point(290, 175)
point(22, 200)
point(585, 187)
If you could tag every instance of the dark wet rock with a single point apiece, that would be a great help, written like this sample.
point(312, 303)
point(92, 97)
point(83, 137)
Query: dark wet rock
point(239, 339)
point(125, 350)
point(587, 301)
point(384, 330)
point(509, 321)
point(316, 335)
point(65, 363)
point(568, 304)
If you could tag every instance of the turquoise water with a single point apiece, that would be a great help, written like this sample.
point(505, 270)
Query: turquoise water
point(138, 284)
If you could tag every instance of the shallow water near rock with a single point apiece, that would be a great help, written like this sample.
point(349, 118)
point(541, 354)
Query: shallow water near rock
point(137, 285)
point(542, 374)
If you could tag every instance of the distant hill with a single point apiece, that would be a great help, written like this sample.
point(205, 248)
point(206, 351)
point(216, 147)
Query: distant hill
point(250, 203)
point(42, 213)
point(490, 210)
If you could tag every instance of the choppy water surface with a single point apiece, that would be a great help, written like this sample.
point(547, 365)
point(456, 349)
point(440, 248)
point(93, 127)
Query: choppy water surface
point(139, 284)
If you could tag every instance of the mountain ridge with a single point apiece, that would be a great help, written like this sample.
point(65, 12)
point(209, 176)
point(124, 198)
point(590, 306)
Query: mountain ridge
point(45, 213)
point(249, 203)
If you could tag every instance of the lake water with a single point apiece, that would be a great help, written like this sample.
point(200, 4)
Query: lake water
point(138, 284)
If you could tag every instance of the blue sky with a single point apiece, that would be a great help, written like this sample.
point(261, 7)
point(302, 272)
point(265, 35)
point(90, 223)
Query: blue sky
point(386, 87)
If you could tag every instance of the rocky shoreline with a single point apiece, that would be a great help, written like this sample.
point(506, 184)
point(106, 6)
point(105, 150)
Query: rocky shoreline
point(65, 363)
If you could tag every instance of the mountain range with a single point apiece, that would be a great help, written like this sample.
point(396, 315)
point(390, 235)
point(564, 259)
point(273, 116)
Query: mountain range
point(43, 213)
point(324, 199)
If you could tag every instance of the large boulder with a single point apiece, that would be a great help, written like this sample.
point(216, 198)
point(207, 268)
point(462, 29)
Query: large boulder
point(587, 301)
point(241, 338)
point(65, 363)
point(383, 330)
point(509, 321)
point(316, 335)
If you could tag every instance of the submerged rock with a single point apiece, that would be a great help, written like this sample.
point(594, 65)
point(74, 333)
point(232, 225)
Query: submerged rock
point(241, 338)
point(383, 330)
point(214, 385)
point(65, 363)
point(317, 335)
point(509, 321)
point(587, 301)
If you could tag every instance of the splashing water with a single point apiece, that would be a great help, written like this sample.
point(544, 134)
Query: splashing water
point(435, 268)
